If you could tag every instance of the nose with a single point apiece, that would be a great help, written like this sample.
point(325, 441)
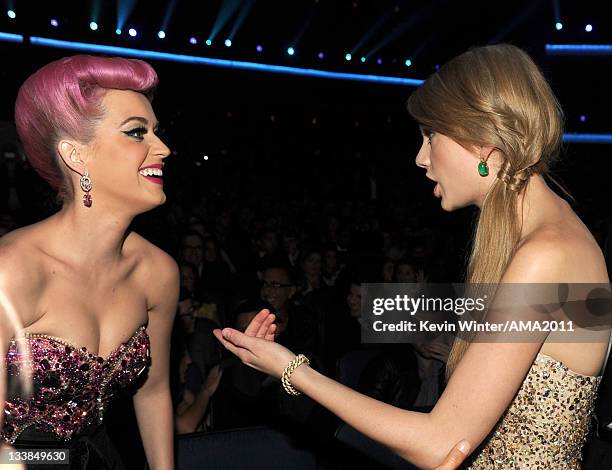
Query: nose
point(422, 158)
point(161, 149)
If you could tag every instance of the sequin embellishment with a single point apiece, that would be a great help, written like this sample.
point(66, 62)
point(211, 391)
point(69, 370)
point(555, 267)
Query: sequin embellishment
point(546, 424)
point(71, 385)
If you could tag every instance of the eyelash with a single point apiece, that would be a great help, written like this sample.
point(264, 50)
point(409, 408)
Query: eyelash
point(136, 130)
point(427, 133)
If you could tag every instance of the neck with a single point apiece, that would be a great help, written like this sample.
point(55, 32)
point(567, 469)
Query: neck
point(95, 236)
point(536, 203)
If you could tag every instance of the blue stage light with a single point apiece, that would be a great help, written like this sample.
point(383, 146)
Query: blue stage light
point(161, 34)
point(588, 28)
point(54, 23)
point(559, 26)
point(208, 42)
point(118, 31)
point(290, 51)
point(582, 118)
point(363, 59)
point(11, 14)
point(588, 138)
point(234, 64)
point(408, 62)
point(259, 48)
point(379, 61)
point(348, 56)
point(132, 32)
point(228, 43)
point(9, 37)
point(321, 56)
point(579, 49)
point(193, 40)
point(93, 26)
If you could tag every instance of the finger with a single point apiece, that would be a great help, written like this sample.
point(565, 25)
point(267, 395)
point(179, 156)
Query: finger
point(263, 329)
point(239, 339)
point(456, 456)
point(256, 322)
point(228, 345)
point(271, 333)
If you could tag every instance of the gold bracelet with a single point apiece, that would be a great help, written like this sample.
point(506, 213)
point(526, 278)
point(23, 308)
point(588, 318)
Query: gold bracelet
point(298, 361)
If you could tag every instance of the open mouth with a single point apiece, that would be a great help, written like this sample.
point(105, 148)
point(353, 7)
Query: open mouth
point(153, 174)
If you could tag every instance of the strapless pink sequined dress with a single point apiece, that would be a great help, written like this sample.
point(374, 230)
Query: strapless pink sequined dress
point(71, 390)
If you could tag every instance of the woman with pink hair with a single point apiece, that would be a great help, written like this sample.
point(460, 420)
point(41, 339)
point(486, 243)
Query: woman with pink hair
point(96, 299)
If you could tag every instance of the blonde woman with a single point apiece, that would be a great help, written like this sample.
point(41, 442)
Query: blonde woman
point(490, 125)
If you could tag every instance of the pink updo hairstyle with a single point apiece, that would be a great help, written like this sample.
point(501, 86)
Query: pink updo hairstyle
point(63, 99)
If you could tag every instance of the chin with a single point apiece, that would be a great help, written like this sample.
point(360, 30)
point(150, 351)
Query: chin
point(453, 206)
point(445, 206)
point(146, 206)
point(157, 201)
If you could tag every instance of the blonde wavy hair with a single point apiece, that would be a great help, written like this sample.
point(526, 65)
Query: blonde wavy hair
point(493, 96)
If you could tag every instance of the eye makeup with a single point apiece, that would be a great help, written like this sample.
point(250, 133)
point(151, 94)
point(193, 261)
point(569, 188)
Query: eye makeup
point(137, 132)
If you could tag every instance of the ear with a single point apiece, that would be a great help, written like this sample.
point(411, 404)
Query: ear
point(491, 155)
point(69, 152)
point(486, 151)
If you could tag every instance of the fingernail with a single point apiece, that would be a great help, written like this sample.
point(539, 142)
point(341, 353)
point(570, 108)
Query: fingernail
point(226, 333)
point(464, 446)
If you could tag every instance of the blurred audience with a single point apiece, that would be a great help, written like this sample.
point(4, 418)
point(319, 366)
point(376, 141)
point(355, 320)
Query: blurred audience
point(304, 256)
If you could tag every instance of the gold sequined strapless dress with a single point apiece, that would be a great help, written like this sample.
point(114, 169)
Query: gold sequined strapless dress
point(546, 424)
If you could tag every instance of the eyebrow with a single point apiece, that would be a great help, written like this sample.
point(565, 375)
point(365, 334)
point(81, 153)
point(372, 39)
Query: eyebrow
point(138, 118)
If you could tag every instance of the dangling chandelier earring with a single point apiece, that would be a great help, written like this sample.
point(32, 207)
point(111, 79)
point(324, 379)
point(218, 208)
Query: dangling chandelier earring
point(483, 168)
point(86, 186)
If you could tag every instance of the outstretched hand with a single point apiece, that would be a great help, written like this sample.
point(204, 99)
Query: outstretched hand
point(262, 325)
point(256, 347)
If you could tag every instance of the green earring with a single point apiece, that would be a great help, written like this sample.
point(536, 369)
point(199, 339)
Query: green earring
point(483, 168)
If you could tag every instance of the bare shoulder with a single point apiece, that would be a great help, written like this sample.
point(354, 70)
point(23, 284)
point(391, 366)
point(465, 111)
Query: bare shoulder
point(157, 270)
point(22, 274)
point(153, 258)
point(19, 258)
point(554, 253)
